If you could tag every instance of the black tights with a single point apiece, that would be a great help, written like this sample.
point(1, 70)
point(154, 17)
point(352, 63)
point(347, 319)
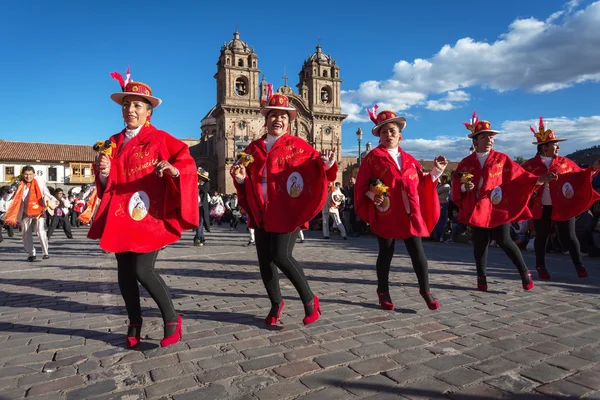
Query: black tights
point(414, 246)
point(274, 251)
point(134, 267)
point(566, 235)
point(501, 234)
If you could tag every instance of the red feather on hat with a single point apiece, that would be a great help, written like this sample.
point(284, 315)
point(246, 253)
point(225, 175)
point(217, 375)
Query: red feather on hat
point(117, 76)
point(373, 113)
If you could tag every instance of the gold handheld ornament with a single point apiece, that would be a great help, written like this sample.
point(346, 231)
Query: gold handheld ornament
point(376, 186)
point(466, 177)
point(244, 158)
point(105, 147)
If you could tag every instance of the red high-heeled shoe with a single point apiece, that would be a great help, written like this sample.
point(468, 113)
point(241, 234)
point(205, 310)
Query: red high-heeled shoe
point(385, 301)
point(527, 281)
point(270, 320)
point(175, 337)
point(133, 341)
point(581, 271)
point(432, 303)
point(482, 283)
point(542, 272)
point(309, 319)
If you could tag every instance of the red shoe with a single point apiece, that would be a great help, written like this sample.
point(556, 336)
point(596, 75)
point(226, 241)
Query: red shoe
point(133, 341)
point(174, 338)
point(581, 272)
point(542, 272)
point(482, 283)
point(527, 281)
point(432, 303)
point(385, 301)
point(269, 320)
point(309, 319)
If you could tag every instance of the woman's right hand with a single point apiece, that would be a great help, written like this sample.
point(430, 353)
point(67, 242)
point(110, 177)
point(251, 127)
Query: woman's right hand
point(378, 199)
point(103, 164)
point(238, 171)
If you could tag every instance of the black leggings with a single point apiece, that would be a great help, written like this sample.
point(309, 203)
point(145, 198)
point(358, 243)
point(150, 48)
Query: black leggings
point(274, 251)
point(566, 235)
point(414, 246)
point(134, 267)
point(501, 234)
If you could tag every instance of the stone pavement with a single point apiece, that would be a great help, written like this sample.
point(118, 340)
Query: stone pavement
point(62, 325)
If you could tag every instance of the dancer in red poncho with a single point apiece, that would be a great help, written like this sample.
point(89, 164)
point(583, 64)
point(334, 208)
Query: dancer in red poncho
point(491, 191)
point(148, 191)
point(408, 210)
point(283, 187)
point(560, 200)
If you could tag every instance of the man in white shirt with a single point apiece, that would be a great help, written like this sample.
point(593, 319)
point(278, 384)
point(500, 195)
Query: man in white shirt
point(334, 200)
point(61, 214)
point(28, 207)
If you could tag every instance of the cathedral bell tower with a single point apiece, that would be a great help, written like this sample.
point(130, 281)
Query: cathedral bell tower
point(320, 83)
point(237, 113)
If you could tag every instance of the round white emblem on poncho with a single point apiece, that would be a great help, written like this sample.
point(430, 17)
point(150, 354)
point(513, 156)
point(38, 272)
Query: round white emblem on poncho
point(568, 191)
point(295, 184)
point(496, 195)
point(139, 205)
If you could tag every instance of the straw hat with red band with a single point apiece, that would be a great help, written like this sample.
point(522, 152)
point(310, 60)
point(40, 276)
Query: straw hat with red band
point(385, 117)
point(276, 101)
point(544, 136)
point(131, 88)
point(477, 126)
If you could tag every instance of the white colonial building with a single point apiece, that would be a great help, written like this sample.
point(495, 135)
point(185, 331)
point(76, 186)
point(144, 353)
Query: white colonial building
point(60, 165)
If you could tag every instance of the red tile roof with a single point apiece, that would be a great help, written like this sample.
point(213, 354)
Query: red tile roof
point(45, 152)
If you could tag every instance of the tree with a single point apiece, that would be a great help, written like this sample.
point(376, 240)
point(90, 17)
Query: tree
point(520, 160)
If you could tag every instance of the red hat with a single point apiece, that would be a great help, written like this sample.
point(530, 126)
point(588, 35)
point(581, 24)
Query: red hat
point(276, 101)
point(544, 136)
point(383, 118)
point(130, 88)
point(477, 126)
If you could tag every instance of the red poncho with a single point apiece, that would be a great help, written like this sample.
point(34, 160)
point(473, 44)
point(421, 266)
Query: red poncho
point(503, 196)
point(296, 184)
point(394, 222)
point(140, 211)
point(571, 194)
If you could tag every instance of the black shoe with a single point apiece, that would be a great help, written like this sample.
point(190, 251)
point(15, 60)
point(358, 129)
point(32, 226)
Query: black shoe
point(251, 243)
point(45, 257)
point(69, 236)
point(345, 237)
point(302, 241)
point(326, 237)
point(31, 258)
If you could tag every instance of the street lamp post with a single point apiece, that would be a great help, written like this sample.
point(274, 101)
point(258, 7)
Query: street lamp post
point(359, 134)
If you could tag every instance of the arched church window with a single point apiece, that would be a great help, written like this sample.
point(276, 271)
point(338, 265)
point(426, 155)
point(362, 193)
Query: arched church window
point(241, 62)
point(241, 86)
point(326, 94)
point(253, 64)
point(325, 73)
point(227, 61)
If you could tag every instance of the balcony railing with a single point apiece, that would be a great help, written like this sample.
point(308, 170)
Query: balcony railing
point(74, 179)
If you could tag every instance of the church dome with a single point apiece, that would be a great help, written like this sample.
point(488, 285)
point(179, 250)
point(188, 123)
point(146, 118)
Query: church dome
point(320, 57)
point(236, 45)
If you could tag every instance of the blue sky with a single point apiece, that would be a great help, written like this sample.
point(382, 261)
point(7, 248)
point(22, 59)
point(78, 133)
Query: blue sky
point(434, 62)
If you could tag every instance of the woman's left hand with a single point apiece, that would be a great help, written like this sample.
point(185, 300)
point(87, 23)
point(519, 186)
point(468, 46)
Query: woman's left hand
point(440, 163)
point(165, 167)
point(327, 156)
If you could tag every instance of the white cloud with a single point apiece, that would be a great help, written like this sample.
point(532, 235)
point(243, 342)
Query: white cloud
point(515, 139)
point(533, 55)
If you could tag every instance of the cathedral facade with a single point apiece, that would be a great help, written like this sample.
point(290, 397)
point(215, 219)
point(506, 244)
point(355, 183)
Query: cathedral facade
point(235, 120)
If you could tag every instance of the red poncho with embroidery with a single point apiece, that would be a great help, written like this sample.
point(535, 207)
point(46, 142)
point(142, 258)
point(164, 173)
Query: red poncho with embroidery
point(503, 196)
point(140, 211)
point(296, 184)
point(571, 194)
point(391, 220)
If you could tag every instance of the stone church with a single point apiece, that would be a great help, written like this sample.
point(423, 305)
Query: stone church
point(235, 120)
